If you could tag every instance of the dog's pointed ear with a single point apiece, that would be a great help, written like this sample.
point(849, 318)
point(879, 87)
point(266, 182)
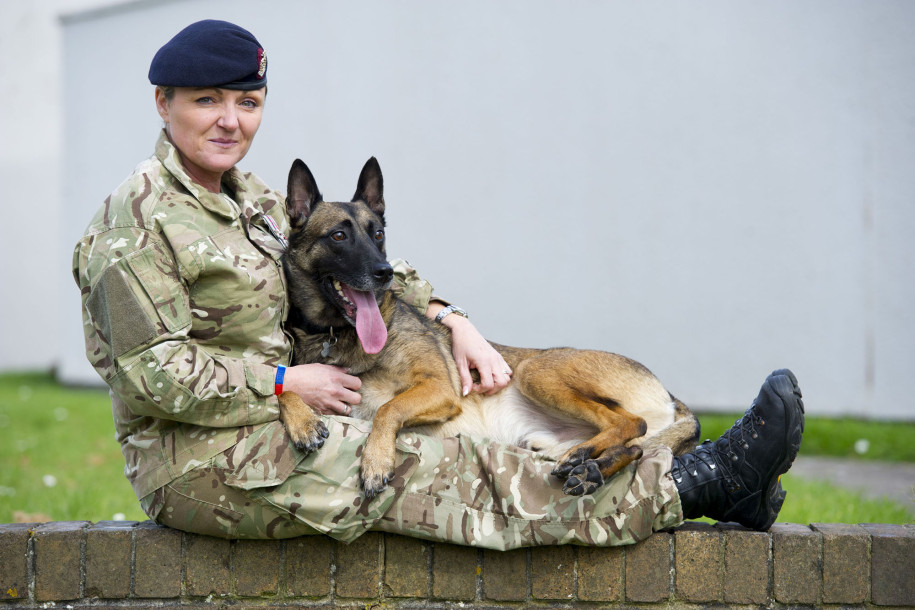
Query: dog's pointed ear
point(301, 194)
point(370, 187)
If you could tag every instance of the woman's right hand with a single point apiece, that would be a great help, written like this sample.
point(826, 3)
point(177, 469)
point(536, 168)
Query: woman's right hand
point(329, 390)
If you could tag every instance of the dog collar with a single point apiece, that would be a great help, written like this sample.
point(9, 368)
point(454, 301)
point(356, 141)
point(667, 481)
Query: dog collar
point(328, 345)
point(297, 319)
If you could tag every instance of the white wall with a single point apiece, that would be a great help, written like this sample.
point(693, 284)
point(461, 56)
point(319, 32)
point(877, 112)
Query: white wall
point(717, 189)
point(31, 143)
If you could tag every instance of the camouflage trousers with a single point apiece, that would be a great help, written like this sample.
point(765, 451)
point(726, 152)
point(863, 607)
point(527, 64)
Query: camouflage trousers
point(458, 490)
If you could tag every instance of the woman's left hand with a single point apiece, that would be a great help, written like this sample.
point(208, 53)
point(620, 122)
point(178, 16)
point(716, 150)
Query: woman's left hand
point(472, 351)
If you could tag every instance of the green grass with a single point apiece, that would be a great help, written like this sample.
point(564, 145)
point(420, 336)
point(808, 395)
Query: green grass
point(810, 501)
point(887, 441)
point(50, 431)
point(821, 502)
point(60, 459)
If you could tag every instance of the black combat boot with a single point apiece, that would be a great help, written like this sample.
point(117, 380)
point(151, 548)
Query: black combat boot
point(736, 478)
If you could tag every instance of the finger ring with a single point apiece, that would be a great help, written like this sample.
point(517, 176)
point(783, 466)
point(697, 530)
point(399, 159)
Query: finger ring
point(507, 372)
point(348, 409)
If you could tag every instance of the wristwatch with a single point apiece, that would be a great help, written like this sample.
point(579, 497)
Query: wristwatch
point(450, 309)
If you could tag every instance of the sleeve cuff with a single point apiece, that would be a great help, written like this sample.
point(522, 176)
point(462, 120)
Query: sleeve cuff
point(260, 378)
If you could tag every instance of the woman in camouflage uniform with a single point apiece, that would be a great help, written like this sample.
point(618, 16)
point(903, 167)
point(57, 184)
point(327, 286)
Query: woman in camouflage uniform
point(183, 307)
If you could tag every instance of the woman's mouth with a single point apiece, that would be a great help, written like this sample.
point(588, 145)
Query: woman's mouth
point(223, 142)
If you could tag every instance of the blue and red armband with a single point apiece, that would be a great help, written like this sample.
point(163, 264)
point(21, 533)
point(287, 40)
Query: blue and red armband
point(278, 384)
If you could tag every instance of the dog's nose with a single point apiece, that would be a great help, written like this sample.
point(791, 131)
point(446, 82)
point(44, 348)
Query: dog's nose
point(383, 272)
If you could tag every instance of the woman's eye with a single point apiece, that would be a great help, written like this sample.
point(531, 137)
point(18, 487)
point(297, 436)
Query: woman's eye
point(249, 104)
point(205, 100)
point(338, 236)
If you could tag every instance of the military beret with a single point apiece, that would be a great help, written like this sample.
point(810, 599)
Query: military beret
point(211, 53)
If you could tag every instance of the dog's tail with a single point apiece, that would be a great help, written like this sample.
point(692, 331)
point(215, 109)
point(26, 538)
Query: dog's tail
point(682, 435)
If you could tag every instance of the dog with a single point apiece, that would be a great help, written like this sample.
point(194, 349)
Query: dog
point(591, 411)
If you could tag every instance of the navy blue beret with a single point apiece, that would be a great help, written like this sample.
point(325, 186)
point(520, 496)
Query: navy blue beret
point(211, 53)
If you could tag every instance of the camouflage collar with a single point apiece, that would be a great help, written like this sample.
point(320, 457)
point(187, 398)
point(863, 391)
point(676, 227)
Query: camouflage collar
point(214, 202)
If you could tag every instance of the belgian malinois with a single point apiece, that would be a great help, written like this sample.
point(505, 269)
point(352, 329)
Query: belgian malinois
point(592, 411)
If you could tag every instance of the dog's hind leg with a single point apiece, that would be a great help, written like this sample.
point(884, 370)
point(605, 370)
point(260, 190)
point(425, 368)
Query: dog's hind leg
point(587, 465)
point(595, 387)
point(585, 474)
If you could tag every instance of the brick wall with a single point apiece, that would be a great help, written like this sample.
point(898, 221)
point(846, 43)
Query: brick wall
point(124, 564)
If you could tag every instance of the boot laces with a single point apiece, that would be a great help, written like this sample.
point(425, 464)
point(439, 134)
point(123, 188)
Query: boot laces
point(743, 432)
point(739, 435)
point(689, 462)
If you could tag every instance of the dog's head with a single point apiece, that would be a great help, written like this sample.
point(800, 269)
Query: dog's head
point(336, 264)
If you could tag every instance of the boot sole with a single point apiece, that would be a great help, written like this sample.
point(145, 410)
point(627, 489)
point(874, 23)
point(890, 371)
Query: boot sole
point(774, 496)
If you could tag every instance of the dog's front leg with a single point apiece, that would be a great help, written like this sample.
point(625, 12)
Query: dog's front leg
point(427, 402)
point(303, 425)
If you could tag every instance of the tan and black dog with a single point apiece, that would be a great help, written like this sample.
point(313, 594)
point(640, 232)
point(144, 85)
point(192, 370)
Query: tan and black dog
point(591, 411)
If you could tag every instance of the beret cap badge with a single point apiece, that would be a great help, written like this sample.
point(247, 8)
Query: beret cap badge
point(261, 63)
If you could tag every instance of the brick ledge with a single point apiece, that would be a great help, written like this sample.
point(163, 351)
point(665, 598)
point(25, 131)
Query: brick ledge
point(128, 565)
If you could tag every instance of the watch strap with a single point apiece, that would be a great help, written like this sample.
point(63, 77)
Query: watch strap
point(448, 310)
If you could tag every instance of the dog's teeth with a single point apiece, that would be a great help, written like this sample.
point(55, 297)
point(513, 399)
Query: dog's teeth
point(339, 288)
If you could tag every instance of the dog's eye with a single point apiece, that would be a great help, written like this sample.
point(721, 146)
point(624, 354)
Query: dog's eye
point(379, 235)
point(338, 236)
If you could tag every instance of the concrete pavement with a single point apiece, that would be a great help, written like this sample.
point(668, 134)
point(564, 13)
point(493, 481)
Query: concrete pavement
point(893, 480)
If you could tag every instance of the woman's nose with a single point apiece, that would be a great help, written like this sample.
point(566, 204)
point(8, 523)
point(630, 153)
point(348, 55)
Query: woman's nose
point(228, 118)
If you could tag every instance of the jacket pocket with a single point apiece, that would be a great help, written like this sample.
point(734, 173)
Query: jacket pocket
point(158, 275)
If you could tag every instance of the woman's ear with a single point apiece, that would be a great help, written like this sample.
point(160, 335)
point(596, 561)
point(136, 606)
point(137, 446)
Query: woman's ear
point(162, 104)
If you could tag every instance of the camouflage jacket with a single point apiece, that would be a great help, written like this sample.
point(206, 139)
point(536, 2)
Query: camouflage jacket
point(184, 301)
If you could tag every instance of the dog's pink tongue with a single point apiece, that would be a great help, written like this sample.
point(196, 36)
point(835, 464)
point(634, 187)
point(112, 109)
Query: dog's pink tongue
point(373, 334)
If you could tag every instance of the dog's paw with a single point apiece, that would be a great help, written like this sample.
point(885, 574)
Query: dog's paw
point(570, 462)
point(377, 468)
point(310, 438)
point(306, 430)
point(373, 485)
point(583, 479)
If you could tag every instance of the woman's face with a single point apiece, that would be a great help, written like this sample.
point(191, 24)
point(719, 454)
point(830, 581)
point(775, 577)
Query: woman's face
point(211, 128)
